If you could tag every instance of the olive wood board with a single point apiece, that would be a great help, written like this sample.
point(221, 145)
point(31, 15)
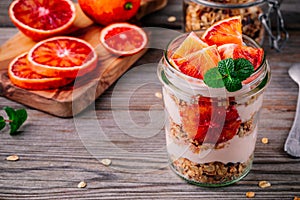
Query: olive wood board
point(72, 99)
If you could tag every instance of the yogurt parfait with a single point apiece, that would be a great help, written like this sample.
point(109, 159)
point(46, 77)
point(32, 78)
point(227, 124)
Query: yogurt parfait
point(213, 84)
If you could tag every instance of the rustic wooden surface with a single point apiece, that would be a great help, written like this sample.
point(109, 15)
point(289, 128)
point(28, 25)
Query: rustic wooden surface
point(54, 159)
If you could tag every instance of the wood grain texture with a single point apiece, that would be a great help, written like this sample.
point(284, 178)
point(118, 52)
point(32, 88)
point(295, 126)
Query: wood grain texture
point(53, 159)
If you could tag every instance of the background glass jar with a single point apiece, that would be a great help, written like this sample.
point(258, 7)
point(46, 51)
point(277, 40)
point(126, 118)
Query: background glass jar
point(210, 133)
point(256, 15)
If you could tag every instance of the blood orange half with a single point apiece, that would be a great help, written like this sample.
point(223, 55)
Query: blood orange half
point(21, 74)
point(63, 57)
point(225, 31)
point(123, 39)
point(40, 19)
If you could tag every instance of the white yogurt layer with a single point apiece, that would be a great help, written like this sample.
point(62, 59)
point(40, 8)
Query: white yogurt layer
point(171, 107)
point(238, 149)
point(247, 111)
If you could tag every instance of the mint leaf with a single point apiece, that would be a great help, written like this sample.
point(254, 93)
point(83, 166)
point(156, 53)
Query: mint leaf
point(243, 68)
point(232, 84)
point(16, 118)
point(229, 73)
point(226, 67)
point(213, 78)
point(2, 123)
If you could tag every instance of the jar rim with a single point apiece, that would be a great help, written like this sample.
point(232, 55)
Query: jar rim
point(197, 83)
point(229, 5)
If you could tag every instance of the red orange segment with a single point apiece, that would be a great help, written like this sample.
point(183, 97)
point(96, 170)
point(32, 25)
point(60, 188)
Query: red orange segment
point(63, 57)
point(225, 31)
point(254, 55)
point(199, 62)
point(191, 44)
point(204, 121)
point(21, 74)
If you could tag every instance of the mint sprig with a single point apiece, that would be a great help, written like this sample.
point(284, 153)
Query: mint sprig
point(229, 73)
point(15, 119)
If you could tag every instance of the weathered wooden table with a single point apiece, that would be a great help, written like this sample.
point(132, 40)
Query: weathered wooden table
point(56, 154)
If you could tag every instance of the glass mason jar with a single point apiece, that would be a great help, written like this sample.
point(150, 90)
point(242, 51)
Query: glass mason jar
point(256, 15)
point(210, 133)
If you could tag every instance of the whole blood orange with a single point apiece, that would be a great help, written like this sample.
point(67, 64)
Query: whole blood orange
point(40, 19)
point(123, 38)
point(21, 74)
point(62, 57)
point(107, 11)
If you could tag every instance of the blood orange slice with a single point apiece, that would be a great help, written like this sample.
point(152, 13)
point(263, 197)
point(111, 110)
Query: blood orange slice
point(254, 55)
point(123, 39)
point(199, 62)
point(225, 31)
point(191, 43)
point(21, 74)
point(62, 57)
point(40, 19)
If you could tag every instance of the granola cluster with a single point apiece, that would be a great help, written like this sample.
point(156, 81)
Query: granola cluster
point(198, 17)
point(211, 173)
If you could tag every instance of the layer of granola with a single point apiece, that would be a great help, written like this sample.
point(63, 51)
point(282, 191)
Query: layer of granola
point(210, 173)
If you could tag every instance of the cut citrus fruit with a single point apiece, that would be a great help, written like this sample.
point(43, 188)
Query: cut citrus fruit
point(62, 57)
point(40, 19)
point(21, 74)
point(204, 121)
point(254, 55)
point(225, 31)
point(226, 50)
point(191, 43)
point(199, 62)
point(123, 39)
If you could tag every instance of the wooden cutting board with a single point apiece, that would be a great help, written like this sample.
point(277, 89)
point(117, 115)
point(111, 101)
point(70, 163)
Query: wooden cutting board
point(71, 100)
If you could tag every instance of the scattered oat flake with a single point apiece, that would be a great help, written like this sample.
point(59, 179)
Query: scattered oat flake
point(158, 95)
point(82, 184)
point(264, 184)
point(12, 158)
point(171, 19)
point(265, 140)
point(106, 162)
point(250, 194)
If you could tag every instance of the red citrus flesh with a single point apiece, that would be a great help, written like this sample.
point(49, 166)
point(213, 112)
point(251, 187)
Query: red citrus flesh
point(21, 74)
point(63, 57)
point(123, 39)
point(225, 31)
point(40, 19)
point(209, 122)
